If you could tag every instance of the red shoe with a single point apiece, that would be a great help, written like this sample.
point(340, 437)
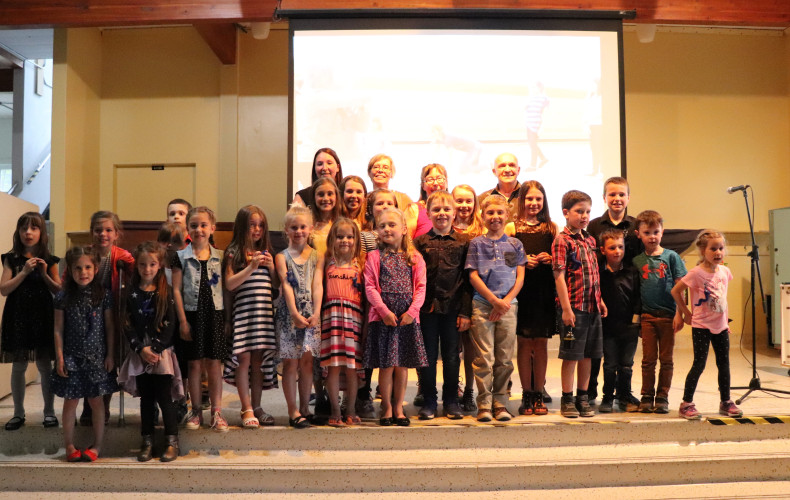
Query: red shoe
point(89, 455)
point(75, 456)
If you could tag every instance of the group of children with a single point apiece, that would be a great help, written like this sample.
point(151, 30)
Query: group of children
point(351, 293)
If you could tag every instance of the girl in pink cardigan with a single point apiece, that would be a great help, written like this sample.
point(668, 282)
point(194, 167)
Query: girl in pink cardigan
point(395, 287)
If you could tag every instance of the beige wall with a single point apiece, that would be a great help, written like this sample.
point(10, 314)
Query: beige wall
point(703, 112)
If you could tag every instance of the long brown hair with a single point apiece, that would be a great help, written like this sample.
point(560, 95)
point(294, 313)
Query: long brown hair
point(160, 280)
point(314, 206)
point(406, 246)
point(34, 219)
point(240, 243)
point(356, 259)
point(546, 226)
point(70, 287)
point(330, 152)
point(360, 217)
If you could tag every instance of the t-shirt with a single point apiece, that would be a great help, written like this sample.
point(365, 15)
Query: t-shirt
point(496, 263)
point(658, 274)
point(708, 297)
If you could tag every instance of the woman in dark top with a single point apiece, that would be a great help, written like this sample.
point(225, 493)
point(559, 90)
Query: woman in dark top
point(325, 164)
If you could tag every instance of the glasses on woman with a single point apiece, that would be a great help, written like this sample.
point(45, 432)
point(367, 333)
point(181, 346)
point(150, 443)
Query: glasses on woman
point(439, 179)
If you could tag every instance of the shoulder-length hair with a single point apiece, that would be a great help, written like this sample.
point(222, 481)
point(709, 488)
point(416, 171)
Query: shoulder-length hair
point(160, 280)
point(359, 218)
point(338, 201)
point(241, 243)
point(543, 216)
point(34, 219)
point(70, 287)
point(330, 152)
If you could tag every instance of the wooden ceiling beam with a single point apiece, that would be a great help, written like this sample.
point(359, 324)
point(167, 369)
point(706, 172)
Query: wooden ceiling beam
point(221, 38)
point(77, 13)
point(83, 13)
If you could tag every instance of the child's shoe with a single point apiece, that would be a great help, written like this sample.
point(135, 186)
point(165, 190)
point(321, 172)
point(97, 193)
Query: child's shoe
point(628, 403)
point(538, 406)
point(452, 410)
point(218, 423)
point(468, 402)
point(568, 407)
point(606, 405)
point(428, 411)
point(194, 420)
point(728, 409)
point(501, 414)
point(546, 396)
point(364, 408)
point(646, 405)
point(661, 405)
point(583, 406)
point(484, 415)
point(146, 449)
point(171, 450)
point(688, 411)
point(526, 407)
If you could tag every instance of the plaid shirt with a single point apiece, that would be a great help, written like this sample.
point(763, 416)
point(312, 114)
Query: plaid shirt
point(575, 254)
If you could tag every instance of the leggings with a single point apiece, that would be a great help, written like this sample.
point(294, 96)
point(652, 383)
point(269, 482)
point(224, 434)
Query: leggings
point(18, 369)
point(156, 388)
point(701, 339)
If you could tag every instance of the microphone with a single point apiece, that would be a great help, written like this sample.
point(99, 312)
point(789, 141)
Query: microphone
point(735, 189)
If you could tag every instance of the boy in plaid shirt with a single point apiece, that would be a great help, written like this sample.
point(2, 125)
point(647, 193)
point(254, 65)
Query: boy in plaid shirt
point(575, 265)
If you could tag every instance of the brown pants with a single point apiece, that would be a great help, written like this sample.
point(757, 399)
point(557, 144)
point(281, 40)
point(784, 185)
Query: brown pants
point(658, 342)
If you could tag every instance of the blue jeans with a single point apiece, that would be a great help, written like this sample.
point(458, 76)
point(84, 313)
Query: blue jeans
point(436, 329)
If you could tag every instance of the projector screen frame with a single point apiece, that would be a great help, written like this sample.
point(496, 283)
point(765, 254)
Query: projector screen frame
point(456, 19)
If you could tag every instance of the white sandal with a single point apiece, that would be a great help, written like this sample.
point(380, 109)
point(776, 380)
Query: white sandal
point(249, 422)
point(263, 417)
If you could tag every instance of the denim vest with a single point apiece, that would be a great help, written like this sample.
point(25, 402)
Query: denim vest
point(190, 284)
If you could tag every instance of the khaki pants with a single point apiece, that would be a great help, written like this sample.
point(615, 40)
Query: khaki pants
point(494, 345)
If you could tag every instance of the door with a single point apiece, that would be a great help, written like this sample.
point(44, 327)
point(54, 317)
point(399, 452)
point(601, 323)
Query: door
point(141, 192)
point(779, 224)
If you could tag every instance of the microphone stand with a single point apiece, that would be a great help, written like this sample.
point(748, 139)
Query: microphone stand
point(754, 383)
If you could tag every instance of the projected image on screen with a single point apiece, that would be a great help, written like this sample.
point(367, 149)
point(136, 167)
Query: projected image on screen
point(459, 98)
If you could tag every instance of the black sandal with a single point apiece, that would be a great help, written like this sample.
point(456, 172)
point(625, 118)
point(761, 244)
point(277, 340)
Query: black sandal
point(299, 422)
point(51, 421)
point(15, 423)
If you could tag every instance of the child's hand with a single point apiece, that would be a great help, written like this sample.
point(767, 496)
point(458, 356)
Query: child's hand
point(568, 318)
point(185, 332)
point(268, 261)
point(149, 356)
point(30, 265)
point(255, 260)
point(300, 321)
point(390, 319)
point(544, 258)
point(501, 307)
point(406, 319)
point(109, 363)
point(463, 323)
point(61, 368)
point(604, 310)
point(686, 317)
point(532, 261)
point(42, 266)
point(677, 323)
point(494, 316)
point(313, 320)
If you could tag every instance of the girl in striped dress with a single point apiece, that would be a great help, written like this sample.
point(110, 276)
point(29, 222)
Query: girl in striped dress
point(342, 317)
point(250, 277)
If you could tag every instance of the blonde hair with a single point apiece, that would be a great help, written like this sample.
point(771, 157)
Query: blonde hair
point(202, 210)
point(439, 196)
point(703, 238)
point(496, 200)
point(475, 227)
point(406, 246)
point(356, 258)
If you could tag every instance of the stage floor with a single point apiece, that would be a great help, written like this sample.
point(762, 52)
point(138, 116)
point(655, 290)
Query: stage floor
point(772, 375)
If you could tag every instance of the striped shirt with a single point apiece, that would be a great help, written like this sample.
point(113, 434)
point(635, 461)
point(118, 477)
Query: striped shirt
point(575, 254)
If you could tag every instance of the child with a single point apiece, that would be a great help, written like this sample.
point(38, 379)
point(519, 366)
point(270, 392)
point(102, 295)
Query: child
point(659, 270)
point(467, 221)
point(251, 276)
point(620, 292)
point(106, 231)
point(30, 277)
point(300, 269)
point(197, 289)
point(447, 306)
point(177, 211)
point(496, 263)
point(575, 265)
point(355, 194)
point(708, 283)
point(325, 209)
point(395, 286)
point(536, 301)
point(616, 195)
point(151, 370)
point(342, 317)
point(83, 348)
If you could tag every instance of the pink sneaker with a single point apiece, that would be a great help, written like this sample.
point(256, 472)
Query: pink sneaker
point(728, 409)
point(194, 420)
point(688, 411)
point(218, 423)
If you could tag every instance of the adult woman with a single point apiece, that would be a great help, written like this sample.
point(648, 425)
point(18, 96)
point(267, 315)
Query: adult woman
point(433, 178)
point(381, 170)
point(325, 164)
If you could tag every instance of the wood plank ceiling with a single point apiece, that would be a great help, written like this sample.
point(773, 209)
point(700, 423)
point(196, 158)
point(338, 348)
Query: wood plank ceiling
point(214, 19)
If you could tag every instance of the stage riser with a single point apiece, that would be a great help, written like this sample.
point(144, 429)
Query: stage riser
point(121, 441)
point(417, 477)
